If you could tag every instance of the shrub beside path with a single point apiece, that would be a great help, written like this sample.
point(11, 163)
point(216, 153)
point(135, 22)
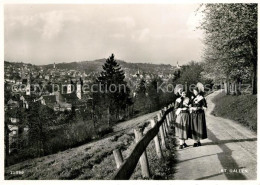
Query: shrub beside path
point(229, 153)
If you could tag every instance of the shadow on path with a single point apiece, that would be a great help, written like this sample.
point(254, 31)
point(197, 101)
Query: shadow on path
point(226, 159)
point(209, 176)
point(195, 158)
point(229, 141)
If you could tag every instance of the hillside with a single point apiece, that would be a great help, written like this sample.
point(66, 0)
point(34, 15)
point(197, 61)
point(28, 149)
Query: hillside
point(96, 65)
point(241, 108)
point(94, 160)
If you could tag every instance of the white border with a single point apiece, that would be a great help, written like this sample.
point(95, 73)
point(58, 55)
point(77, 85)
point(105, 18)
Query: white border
point(95, 182)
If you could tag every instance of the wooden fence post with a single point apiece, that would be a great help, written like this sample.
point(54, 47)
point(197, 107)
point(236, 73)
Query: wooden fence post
point(167, 118)
point(161, 130)
point(169, 115)
point(143, 159)
point(173, 113)
point(163, 124)
point(156, 141)
point(166, 129)
point(118, 157)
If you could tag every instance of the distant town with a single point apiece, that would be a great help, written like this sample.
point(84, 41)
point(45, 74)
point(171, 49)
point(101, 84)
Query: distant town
point(26, 84)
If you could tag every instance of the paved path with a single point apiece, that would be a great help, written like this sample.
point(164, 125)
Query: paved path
point(229, 147)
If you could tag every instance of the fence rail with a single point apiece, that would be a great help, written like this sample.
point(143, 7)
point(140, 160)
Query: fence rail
point(126, 167)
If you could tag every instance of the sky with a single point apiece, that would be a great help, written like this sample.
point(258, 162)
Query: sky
point(43, 34)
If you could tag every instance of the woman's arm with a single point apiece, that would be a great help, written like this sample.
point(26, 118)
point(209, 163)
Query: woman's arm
point(204, 104)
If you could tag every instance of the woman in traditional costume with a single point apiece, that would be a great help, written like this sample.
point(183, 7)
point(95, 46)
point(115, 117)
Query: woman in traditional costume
point(198, 120)
point(182, 125)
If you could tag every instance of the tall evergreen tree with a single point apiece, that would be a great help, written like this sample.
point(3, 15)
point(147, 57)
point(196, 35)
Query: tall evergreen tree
point(113, 92)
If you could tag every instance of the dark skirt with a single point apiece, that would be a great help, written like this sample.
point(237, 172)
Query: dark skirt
point(198, 126)
point(182, 126)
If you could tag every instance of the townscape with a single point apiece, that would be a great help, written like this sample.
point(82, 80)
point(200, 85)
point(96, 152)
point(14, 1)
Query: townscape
point(116, 91)
point(60, 90)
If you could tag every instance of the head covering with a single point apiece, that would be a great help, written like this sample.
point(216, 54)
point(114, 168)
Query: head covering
point(196, 89)
point(178, 88)
point(200, 87)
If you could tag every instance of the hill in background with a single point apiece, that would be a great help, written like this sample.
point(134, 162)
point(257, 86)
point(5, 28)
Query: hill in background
point(96, 65)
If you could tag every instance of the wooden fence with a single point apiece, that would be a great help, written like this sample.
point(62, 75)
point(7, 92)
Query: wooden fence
point(125, 168)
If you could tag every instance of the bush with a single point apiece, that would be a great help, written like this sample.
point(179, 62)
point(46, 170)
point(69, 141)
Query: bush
point(61, 138)
point(22, 155)
point(103, 130)
point(69, 136)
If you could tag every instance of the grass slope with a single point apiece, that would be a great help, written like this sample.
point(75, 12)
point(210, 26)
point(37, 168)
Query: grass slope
point(94, 161)
point(242, 109)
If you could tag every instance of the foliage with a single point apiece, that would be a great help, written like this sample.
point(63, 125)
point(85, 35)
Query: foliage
point(141, 96)
point(7, 93)
point(231, 40)
point(191, 74)
point(113, 92)
point(154, 95)
point(40, 117)
point(60, 138)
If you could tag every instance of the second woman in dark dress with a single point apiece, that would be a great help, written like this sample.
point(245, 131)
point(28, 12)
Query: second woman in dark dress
point(198, 120)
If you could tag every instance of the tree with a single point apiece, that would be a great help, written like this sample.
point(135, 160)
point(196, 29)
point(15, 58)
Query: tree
point(6, 139)
point(112, 92)
point(154, 94)
point(40, 117)
point(7, 93)
point(231, 40)
point(141, 99)
point(190, 74)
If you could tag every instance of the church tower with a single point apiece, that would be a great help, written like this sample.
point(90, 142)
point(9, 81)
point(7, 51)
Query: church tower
point(54, 66)
point(28, 85)
point(28, 89)
point(69, 88)
point(178, 66)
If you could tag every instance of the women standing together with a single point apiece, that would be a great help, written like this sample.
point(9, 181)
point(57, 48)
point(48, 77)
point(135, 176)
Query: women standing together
point(190, 118)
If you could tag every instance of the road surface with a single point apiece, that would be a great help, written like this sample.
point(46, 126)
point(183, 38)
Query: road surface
point(229, 153)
